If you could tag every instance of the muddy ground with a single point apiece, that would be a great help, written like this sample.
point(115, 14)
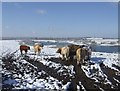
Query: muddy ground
point(79, 76)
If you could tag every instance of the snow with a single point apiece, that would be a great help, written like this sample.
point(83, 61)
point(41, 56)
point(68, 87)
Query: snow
point(50, 64)
point(49, 51)
point(108, 59)
point(45, 40)
point(10, 81)
point(116, 80)
point(95, 72)
point(102, 40)
point(8, 46)
point(105, 42)
point(50, 83)
point(66, 85)
point(75, 42)
point(82, 86)
point(98, 41)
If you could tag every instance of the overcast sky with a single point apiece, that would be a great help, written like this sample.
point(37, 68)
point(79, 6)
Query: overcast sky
point(70, 19)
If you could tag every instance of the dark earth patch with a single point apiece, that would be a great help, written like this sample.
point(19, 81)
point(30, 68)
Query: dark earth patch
point(80, 76)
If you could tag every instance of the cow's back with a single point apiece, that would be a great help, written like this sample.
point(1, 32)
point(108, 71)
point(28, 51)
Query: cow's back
point(23, 47)
point(64, 50)
point(72, 50)
point(37, 48)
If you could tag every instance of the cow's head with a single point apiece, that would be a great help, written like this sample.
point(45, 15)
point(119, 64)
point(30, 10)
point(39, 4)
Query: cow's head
point(59, 50)
point(28, 48)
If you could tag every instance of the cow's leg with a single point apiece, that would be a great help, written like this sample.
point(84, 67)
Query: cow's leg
point(77, 59)
point(21, 52)
point(83, 55)
point(66, 56)
point(62, 56)
point(78, 56)
point(35, 52)
point(83, 60)
point(78, 62)
point(25, 51)
point(38, 53)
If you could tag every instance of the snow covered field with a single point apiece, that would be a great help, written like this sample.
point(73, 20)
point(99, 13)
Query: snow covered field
point(47, 72)
point(101, 41)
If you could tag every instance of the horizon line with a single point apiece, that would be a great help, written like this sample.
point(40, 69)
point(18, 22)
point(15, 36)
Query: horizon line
point(56, 37)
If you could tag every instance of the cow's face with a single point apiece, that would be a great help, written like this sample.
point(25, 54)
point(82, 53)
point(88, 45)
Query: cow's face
point(28, 48)
point(59, 50)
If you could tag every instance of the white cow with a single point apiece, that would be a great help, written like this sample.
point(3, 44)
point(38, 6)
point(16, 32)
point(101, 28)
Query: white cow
point(64, 51)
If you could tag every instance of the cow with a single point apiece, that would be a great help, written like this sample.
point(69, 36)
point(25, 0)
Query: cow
point(37, 48)
point(82, 54)
point(24, 48)
point(72, 50)
point(64, 51)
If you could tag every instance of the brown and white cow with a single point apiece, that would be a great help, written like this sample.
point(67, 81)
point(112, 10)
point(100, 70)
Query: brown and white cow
point(72, 50)
point(82, 54)
point(64, 51)
point(24, 48)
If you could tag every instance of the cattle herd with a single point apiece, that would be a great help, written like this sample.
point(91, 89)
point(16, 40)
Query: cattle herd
point(81, 53)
